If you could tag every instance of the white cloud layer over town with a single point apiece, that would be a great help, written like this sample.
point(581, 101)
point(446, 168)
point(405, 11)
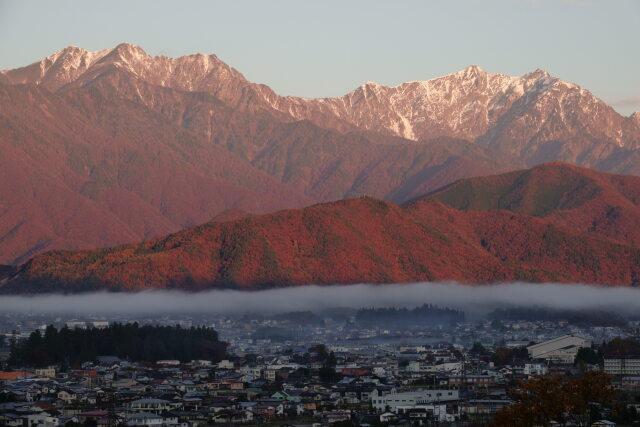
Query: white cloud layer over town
point(478, 299)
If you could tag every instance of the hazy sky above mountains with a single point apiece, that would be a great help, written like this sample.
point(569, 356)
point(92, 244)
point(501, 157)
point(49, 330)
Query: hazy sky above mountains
point(328, 48)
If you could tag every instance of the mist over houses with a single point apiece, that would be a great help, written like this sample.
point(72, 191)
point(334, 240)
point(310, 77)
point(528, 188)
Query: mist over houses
point(327, 369)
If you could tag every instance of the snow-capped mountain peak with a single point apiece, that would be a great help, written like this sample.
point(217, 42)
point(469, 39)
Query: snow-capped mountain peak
point(57, 69)
point(128, 53)
point(470, 72)
point(469, 104)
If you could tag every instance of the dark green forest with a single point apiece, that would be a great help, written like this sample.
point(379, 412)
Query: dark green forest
point(617, 347)
point(574, 317)
point(127, 341)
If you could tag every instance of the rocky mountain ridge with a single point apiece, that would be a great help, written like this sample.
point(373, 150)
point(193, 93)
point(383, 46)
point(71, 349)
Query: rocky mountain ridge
point(470, 104)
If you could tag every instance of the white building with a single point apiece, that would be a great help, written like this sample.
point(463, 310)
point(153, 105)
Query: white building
point(43, 419)
point(269, 374)
point(535, 369)
point(452, 367)
point(172, 362)
point(100, 324)
point(435, 411)
point(151, 405)
point(250, 373)
point(395, 401)
point(225, 364)
point(76, 324)
point(145, 419)
point(49, 372)
point(558, 350)
point(622, 366)
point(379, 371)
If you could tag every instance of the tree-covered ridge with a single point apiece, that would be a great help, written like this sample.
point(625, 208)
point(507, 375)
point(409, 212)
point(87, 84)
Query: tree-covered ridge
point(366, 240)
point(580, 317)
point(127, 341)
point(404, 317)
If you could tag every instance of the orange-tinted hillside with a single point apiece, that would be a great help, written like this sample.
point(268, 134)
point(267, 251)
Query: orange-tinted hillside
point(368, 240)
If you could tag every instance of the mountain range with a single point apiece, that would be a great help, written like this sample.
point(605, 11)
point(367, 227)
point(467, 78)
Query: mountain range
point(554, 222)
point(117, 146)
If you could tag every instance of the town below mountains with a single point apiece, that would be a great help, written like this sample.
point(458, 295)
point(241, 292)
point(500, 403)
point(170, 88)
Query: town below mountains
point(189, 176)
point(331, 368)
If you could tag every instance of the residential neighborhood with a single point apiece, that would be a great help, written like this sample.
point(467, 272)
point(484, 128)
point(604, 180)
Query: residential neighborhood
point(281, 371)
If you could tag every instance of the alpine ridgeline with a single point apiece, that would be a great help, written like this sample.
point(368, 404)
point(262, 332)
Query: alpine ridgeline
point(117, 146)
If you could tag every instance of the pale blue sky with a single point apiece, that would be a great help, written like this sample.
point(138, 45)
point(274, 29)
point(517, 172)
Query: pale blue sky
point(327, 48)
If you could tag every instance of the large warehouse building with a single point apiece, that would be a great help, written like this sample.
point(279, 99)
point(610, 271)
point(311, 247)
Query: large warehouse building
point(558, 350)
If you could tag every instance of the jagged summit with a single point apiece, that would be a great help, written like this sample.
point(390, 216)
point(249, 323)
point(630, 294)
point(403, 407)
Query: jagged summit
point(80, 59)
point(128, 46)
point(74, 64)
point(536, 74)
point(128, 51)
point(470, 72)
point(76, 61)
point(69, 50)
point(474, 68)
point(65, 65)
point(469, 104)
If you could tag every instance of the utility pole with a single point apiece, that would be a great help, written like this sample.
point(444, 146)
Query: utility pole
point(111, 415)
point(463, 381)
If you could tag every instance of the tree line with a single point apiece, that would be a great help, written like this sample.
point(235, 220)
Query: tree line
point(128, 341)
point(617, 347)
point(426, 314)
point(575, 317)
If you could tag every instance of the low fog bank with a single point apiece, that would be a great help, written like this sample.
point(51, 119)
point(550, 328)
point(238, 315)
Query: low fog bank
point(472, 299)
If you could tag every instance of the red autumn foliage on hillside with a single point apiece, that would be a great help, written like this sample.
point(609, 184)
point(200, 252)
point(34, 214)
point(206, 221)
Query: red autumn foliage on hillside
point(538, 237)
point(93, 166)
